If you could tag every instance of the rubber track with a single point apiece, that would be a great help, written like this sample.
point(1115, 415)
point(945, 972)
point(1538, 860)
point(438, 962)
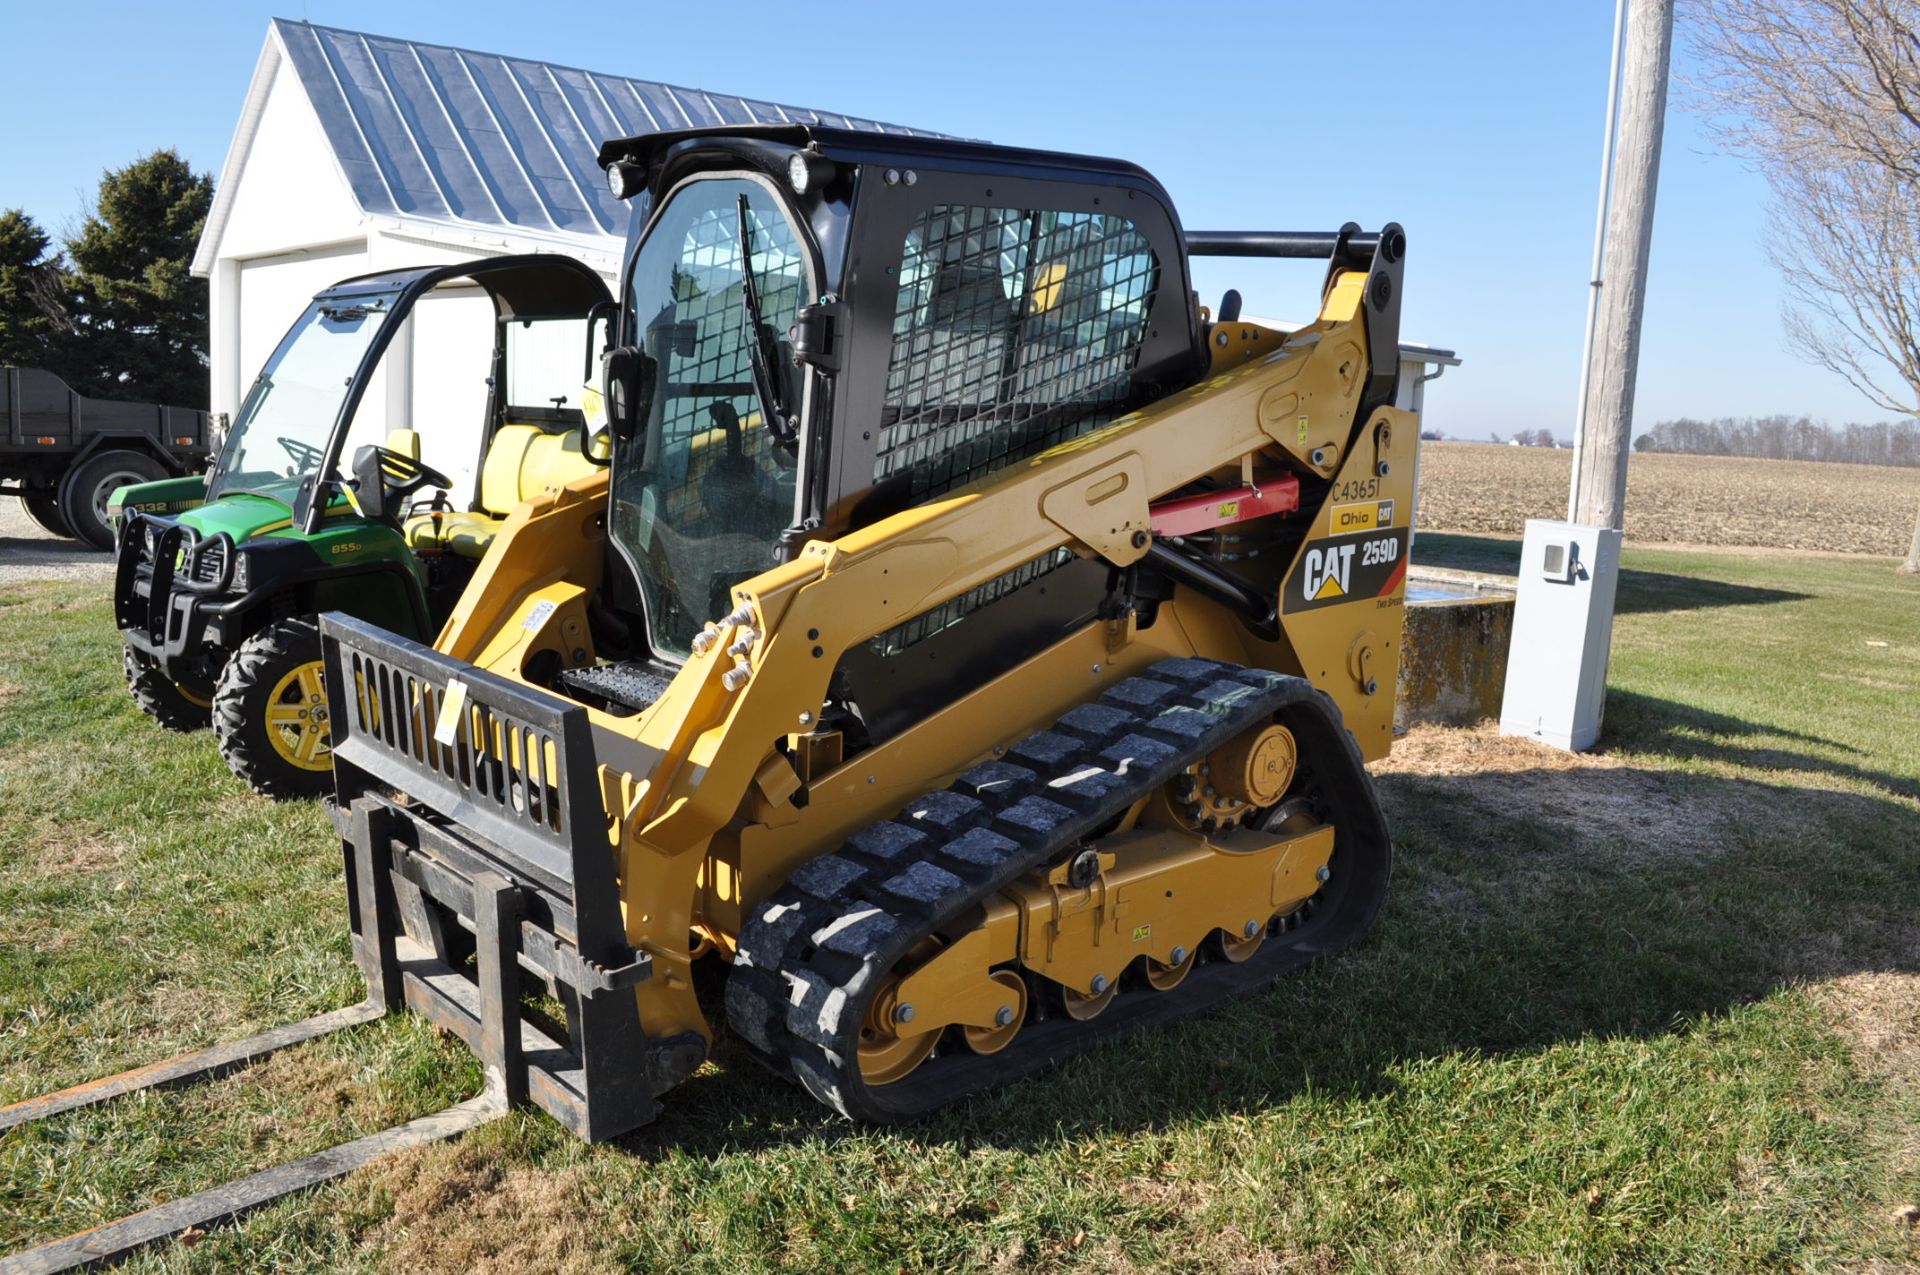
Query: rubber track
point(814, 953)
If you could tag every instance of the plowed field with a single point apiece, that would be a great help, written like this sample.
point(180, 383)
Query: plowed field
point(1709, 500)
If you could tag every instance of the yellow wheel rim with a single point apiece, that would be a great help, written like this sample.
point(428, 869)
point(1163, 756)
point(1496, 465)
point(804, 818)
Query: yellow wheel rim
point(191, 698)
point(991, 1040)
point(297, 724)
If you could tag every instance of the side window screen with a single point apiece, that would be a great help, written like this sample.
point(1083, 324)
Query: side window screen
point(1015, 329)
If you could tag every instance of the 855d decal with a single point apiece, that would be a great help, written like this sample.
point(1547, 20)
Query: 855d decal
point(1346, 568)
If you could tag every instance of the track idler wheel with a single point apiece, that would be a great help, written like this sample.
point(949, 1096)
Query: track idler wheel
point(1082, 1006)
point(1007, 1023)
point(1238, 947)
point(886, 1057)
point(1164, 976)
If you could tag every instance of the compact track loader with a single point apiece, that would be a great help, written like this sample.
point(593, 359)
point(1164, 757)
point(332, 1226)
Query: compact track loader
point(972, 651)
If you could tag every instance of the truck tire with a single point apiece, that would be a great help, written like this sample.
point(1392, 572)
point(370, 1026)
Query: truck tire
point(43, 506)
point(159, 698)
point(84, 491)
point(270, 712)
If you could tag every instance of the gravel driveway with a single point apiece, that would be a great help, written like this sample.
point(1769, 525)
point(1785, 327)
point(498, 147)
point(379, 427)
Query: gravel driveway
point(28, 553)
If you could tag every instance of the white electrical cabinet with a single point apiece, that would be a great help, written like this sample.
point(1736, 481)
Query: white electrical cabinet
point(1562, 626)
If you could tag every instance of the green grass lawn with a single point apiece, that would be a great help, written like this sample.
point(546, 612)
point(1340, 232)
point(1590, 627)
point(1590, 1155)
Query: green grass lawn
point(1653, 1009)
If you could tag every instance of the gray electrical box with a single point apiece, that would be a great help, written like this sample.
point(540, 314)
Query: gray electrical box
point(1562, 627)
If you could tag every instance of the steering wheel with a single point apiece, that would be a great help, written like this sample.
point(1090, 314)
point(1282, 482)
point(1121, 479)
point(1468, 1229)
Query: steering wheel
point(303, 455)
point(402, 475)
point(398, 477)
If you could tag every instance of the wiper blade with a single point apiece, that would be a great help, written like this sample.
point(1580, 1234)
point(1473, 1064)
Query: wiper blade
point(773, 405)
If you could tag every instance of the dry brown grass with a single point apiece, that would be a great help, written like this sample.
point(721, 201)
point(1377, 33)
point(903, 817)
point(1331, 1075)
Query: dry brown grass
point(458, 1211)
point(1626, 808)
point(1703, 500)
point(54, 850)
point(1879, 1014)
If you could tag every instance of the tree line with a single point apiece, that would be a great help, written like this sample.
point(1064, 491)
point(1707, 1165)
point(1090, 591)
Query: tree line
point(114, 310)
point(1788, 438)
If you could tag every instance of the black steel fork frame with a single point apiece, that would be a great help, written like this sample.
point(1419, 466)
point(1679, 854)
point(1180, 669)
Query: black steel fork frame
point(502, 830)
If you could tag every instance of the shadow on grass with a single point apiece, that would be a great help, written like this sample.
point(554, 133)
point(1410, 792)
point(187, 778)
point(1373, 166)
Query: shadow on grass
point(1530, 909)
point(24, 551)
point(1645, 722)
point(1639, 590)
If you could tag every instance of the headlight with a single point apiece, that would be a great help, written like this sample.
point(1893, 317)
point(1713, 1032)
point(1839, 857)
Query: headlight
point(242, 572)
point(808, 170)
point(624, 178)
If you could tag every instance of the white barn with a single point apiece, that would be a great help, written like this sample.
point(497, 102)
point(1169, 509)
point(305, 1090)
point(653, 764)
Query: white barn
point(358, 153)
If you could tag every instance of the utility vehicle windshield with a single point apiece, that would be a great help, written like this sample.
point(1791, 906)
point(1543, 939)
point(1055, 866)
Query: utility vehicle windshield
point(283, 427)
point(704, 488)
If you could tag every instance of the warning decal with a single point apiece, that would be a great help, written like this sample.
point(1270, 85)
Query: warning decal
point(1344, 568)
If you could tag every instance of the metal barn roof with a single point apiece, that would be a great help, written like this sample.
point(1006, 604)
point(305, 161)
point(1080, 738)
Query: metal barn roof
point(424, 131)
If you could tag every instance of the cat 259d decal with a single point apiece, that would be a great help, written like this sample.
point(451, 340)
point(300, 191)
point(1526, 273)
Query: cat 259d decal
point(1346, 568)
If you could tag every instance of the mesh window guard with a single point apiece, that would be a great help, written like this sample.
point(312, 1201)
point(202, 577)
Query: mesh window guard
point(1015, 329)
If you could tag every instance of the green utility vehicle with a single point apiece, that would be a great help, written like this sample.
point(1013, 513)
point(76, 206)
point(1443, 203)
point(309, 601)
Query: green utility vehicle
point(320, 501)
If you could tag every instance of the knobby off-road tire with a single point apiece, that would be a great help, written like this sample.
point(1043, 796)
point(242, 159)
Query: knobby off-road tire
point(270, 712)
point(159, 698)
point(43, 506)
point(84, 491)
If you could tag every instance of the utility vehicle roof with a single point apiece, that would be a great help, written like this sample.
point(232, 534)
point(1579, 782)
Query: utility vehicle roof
point(542, 284)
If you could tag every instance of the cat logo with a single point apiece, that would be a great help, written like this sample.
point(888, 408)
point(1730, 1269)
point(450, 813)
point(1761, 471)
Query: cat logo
point(1329, 572)
point(346, 546)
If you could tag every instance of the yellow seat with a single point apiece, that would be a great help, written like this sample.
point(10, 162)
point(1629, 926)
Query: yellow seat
point(522, 461)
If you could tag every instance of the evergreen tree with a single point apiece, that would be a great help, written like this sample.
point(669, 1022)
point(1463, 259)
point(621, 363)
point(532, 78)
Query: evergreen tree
point(140, 316)
point(27, 282)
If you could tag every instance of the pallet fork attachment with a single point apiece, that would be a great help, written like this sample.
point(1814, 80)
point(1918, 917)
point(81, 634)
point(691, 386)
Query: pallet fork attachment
point(537, 897)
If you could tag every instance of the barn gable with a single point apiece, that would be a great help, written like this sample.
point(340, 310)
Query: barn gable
point(451, 138)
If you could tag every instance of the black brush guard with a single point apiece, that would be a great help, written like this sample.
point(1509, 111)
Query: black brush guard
point(487, 815)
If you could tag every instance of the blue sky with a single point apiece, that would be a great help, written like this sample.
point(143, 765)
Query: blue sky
point(1476, 126)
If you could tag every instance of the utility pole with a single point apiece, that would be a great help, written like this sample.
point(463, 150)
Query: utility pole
point(1599, 491)
point(1556, 688)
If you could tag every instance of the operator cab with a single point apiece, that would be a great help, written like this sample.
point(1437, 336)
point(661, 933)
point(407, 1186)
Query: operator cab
point(820, 328)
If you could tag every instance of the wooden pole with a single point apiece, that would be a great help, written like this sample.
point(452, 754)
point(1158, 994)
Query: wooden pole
point(1600, 462)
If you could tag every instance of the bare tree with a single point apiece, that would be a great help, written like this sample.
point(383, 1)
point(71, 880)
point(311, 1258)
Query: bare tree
point(1825, 96)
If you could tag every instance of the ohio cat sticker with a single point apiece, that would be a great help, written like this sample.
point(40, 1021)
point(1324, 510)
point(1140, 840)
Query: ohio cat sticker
point(1345, 569)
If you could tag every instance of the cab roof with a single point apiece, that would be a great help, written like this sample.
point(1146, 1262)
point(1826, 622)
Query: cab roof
point(855, 146)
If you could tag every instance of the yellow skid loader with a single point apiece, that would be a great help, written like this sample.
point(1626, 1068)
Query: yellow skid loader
point(973, 646)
